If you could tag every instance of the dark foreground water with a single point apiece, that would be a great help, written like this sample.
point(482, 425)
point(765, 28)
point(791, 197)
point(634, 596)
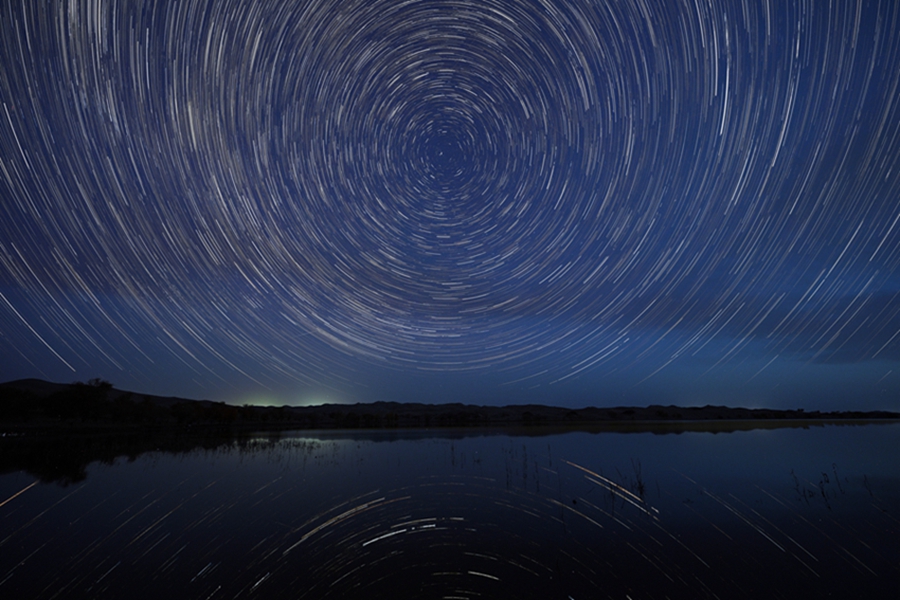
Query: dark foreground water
point(779, 513)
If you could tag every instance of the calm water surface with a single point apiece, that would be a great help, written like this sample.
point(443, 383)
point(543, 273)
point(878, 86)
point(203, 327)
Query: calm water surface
point(779, 513)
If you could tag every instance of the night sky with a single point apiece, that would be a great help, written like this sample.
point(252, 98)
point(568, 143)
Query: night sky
point(575, 202)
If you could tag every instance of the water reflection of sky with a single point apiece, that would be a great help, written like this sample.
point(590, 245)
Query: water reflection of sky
point(752, 513)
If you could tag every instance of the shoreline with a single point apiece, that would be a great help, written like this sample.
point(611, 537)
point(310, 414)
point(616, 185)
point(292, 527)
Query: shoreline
point(11, 431)
point(39, 406)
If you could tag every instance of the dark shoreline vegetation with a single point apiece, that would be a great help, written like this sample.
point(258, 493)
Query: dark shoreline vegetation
point(31, 405)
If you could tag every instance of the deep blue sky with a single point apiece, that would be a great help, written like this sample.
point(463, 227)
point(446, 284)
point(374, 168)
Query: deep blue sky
point(568, 202)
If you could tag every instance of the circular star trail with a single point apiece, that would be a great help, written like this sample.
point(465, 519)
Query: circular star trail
point(312, 191)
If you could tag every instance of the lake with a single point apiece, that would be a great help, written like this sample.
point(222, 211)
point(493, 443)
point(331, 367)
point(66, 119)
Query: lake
point(764, 513)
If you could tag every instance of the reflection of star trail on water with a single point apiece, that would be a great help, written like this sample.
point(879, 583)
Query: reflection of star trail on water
point(401, 514)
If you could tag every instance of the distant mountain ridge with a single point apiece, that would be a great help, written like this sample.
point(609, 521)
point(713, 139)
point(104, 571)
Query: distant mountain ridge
point(36, 404)
point(42, 389)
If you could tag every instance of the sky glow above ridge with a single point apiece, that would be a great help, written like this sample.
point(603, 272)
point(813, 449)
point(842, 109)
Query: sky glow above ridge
point(564, 202)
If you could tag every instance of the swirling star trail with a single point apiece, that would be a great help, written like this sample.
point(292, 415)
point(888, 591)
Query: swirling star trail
point(559, 200)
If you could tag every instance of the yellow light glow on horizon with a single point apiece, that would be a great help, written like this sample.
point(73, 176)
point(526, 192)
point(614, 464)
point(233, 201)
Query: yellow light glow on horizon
point(261, 401)
point(300, 400)
point(316, 400)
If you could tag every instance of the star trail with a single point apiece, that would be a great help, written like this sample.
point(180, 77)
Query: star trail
point(560, 201)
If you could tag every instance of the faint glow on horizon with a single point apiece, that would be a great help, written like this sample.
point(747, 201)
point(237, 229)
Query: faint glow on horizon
point(316, 400)
point(286, 400)
point(260, 401)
